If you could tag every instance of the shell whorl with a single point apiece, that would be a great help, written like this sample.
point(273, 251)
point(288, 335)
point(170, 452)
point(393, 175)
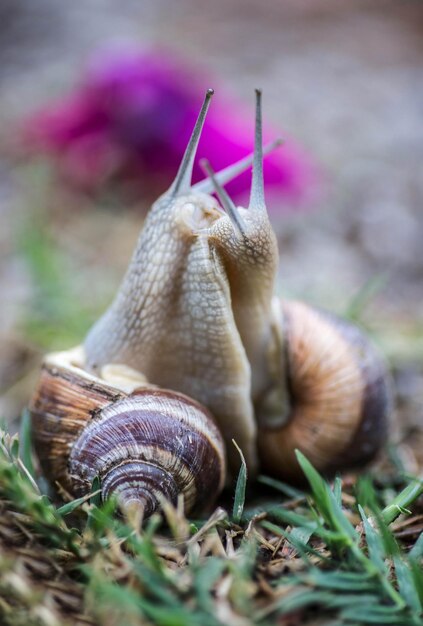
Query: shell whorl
point(340, 396)
point(151, 443)
point(144, 443)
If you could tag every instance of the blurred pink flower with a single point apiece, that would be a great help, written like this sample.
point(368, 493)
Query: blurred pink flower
point(131, 117)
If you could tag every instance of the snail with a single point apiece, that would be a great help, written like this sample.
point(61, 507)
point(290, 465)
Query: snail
point(144, 443)
point(196, 314)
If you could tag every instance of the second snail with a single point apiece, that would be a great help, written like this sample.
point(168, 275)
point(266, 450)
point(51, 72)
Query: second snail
point(196, 351)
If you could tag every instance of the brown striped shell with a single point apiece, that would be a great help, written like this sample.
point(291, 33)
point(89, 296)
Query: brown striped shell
point(143, 445)
point(340, 397)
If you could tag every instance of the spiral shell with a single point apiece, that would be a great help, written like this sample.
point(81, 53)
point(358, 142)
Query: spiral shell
point(340, 397)
point(143, 445)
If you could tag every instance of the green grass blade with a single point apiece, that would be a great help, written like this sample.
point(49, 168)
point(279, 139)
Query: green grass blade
point(406, 585)
point(326, 502)
point(364, 295)
point(374, 543)
point(402, 501)
point(241, 485)
point(317, 484)
point(416, 551)
point(70, 507)
point(337, 491)
point(205, 576)
point(365, 615)
point(284, 488)
point(417, 574)
point(25, 444)
point(279, 514)
point(303, 599)
point(342, 581)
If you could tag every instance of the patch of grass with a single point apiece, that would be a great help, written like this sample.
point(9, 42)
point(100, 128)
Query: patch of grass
point(330, 556)
point(359, 302)
point(57, 317)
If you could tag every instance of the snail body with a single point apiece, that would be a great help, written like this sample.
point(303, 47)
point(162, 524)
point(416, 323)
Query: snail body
point(196, 314)
point(172, 318)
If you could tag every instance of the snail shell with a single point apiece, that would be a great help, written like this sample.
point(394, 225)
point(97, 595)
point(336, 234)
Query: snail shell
point(339, 392)
point(142, 442)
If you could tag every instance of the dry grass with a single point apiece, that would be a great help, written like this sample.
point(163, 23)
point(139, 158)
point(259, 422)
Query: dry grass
point(341, 554)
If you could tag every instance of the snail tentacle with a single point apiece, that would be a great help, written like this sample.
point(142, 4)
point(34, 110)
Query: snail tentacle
point(182, 182)
point(224, 198)
point(257, 200)
point(232, 171)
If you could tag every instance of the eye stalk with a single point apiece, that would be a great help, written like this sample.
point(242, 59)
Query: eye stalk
point(232, 171)
point(182, 182)
point(257, 201)
point(229, 206)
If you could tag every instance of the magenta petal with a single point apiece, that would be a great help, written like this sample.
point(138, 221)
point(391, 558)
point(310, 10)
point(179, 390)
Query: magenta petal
point(56, 126)
point(89, 162)
point(132, 117)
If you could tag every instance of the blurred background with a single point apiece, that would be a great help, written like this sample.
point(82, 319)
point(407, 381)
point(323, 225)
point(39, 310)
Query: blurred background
point(97, 100)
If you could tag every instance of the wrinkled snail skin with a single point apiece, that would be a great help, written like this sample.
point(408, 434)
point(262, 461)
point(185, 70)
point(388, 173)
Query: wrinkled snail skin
point(180, 331)
point(144, 445)
point(247, 244)
point(172, 318)
point(341, 397)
